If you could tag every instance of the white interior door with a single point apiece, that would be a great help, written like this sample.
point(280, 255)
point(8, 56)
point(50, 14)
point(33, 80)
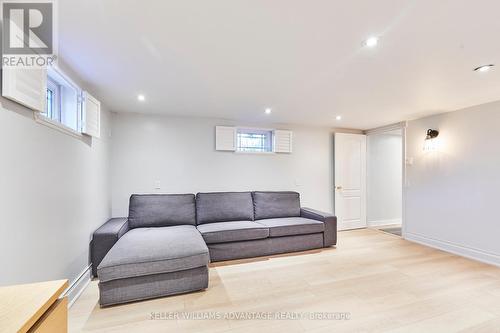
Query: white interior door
point(350, 180)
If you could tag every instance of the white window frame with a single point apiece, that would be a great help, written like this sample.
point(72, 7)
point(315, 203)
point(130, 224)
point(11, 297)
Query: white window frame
point(57, 124)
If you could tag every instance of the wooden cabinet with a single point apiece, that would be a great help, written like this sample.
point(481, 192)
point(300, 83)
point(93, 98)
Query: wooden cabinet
point(36, 307)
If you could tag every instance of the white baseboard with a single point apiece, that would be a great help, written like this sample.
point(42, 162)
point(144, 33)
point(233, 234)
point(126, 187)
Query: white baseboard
point(350, 225)
point(464, 251)
point(378, 223)
point(78, 286)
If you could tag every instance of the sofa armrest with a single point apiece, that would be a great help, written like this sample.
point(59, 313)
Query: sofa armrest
point(104, 238)
point(330, 221)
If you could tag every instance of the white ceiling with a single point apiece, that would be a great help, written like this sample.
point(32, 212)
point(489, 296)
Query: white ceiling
point(305, 59)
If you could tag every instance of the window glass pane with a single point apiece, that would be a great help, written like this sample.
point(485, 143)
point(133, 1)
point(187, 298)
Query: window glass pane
point(52, 100)
point(254, 140)
point(49, 104)
point(69, 107)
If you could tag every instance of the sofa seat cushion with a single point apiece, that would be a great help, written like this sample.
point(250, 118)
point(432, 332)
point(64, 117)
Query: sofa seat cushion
point(288, 226)
point(146, 251)
point(223, 232)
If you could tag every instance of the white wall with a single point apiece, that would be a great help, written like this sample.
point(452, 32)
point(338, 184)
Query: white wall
point(385, 178)
point(54, 194)
point(180, 153)
point(452, 200)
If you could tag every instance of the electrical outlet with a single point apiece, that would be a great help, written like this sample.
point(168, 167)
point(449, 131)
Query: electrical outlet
point(157, 185)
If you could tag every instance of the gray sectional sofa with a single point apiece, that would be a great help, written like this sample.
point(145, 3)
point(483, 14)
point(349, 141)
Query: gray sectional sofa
point(166, 243)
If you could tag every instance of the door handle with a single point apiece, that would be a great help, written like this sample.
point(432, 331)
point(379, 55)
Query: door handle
point(338, 188)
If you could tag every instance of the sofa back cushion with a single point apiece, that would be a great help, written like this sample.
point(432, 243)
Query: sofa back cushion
point(269, 205)
point(224, 207)
point(161, 210)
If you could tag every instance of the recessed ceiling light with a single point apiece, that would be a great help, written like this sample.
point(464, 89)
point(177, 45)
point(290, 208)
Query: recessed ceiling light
point(338, 117)
point(483, 68)
point(268, 111)
point(371, 42)
point(141, 97)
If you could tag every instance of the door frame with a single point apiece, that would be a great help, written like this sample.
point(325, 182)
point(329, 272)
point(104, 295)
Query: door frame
point(389, 128)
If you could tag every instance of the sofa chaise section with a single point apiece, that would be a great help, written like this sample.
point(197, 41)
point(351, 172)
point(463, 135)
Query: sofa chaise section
point(153, 262)
point(149, 251)
point(162, 254)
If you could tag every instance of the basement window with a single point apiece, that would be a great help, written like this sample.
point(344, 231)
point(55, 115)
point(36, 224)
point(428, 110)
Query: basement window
point(254, 140)
point(63, 106)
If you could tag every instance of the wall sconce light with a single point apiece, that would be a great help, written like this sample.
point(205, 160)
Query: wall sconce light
point(431, 143)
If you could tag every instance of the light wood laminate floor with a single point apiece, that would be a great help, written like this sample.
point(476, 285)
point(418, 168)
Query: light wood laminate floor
point(385, 283)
